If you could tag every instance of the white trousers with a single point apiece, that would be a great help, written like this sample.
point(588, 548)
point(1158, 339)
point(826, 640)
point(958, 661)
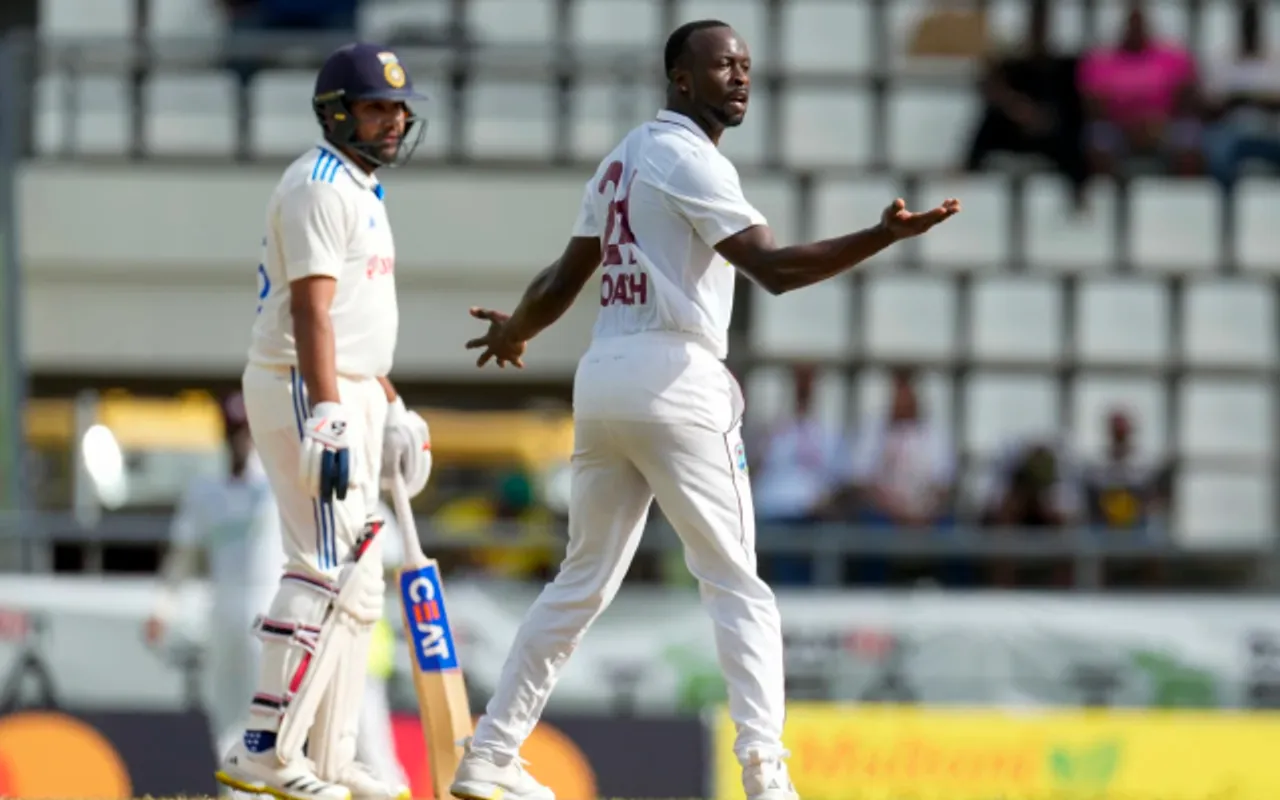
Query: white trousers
point(698, 476)
point(317, 534)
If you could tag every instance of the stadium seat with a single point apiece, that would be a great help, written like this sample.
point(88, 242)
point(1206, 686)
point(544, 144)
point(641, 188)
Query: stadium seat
point(841, 207)
point(508, 120)
point(1167, 21)
point(383, 20)
point(821, 36)
point(604, 113)
point(527, 22)
point(1217, 509)
point(1222, 418)
point(1229, 322)
point(98, 120)
point(908, 316)
point(827, 127)
point(189, 114)
point(1094, 397)
point(930, 128)
point(1219, 26)
point(1257, 236)
point(979, 238)
point(1057, 239)
point(195, 18)
point(1001, 409)
point(775, 198)
point(1007, 23)
point(1176, 225)
point(814, 322)
point(632, 24)
point(908, 19)
point(86, 17)
point(1122, 321)
point(771, 397)
point(282, 123)
point(1016, 319)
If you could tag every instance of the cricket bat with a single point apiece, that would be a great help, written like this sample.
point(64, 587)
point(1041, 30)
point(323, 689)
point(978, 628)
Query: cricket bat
point(443, 708)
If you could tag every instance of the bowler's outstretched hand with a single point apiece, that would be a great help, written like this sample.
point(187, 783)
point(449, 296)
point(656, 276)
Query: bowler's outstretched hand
point(497, 344)
point(904, 224)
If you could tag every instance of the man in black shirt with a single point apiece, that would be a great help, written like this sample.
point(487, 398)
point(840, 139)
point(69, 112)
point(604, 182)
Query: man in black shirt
point(1033, 106)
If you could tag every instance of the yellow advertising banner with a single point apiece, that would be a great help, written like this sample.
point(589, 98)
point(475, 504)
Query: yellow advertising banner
point(867, 752)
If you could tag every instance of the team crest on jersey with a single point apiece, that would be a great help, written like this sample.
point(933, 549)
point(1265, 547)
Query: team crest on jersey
point(740, 457)
point(394, 74)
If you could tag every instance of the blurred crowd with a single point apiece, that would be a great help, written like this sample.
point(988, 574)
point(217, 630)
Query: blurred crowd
point(896, 474)
point(1137, 101)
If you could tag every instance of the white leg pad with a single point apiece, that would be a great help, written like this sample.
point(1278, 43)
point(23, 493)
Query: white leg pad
point(332, 743)
point(356, 605)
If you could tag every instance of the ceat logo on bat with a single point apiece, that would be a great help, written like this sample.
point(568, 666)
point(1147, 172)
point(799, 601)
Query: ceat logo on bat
point(428, 620)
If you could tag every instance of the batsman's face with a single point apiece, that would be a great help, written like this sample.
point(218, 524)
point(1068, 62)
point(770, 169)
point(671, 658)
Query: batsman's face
point(381, 123)
point(721, 74)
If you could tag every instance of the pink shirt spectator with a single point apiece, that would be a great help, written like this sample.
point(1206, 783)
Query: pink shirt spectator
point(1136, 86)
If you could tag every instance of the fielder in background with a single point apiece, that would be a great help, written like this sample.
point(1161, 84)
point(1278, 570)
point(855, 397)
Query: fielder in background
point(233, 519)
point(657, 414)
point(328, 425)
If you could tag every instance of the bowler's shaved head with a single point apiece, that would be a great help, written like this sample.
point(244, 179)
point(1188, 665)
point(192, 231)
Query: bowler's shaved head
point(678, 42)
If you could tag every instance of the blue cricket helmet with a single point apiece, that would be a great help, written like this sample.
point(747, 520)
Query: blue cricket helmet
point(363, 71)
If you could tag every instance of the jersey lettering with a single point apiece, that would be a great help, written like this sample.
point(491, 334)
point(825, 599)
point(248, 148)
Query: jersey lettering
point(624, 289)
point(618, 220)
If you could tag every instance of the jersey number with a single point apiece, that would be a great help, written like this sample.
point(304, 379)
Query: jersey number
point(619, 222)
point(265, 288)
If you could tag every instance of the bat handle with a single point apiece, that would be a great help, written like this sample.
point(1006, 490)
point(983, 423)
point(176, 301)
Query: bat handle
point(404, 516)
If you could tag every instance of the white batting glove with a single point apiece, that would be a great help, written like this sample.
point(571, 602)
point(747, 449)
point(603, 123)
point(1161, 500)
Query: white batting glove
point(406, 448)
point(326, 457)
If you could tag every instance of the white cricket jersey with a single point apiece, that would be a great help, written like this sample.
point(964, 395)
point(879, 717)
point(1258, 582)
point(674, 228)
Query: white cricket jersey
point(660, 202)
point(326, 217)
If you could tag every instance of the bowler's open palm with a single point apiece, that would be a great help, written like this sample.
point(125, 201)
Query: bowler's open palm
point(496, 343)
point(904, 224)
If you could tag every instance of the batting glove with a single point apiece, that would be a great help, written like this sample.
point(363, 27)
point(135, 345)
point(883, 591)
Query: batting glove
point(406, 448)
point(326, 459)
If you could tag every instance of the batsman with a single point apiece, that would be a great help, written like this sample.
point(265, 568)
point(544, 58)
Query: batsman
point(330, 430)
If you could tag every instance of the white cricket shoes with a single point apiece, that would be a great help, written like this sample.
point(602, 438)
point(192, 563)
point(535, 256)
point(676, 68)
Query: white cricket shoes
point(264, 774)
point(767, 778)
point(478, 778)
point(365, 785)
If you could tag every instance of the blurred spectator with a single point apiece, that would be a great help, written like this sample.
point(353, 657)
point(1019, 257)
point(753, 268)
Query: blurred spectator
point(795, 474)
point(903, 464)
point(1033, 106)
point(1140, 100)
point(1242, 96)
point(1034, 486)
point(901, 476)
point(798, 462)
point(1121, 493)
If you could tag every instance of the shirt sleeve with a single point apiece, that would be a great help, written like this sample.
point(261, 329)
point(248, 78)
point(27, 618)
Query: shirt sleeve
point(588, 222)
point(314, 231)
point(707, 193)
